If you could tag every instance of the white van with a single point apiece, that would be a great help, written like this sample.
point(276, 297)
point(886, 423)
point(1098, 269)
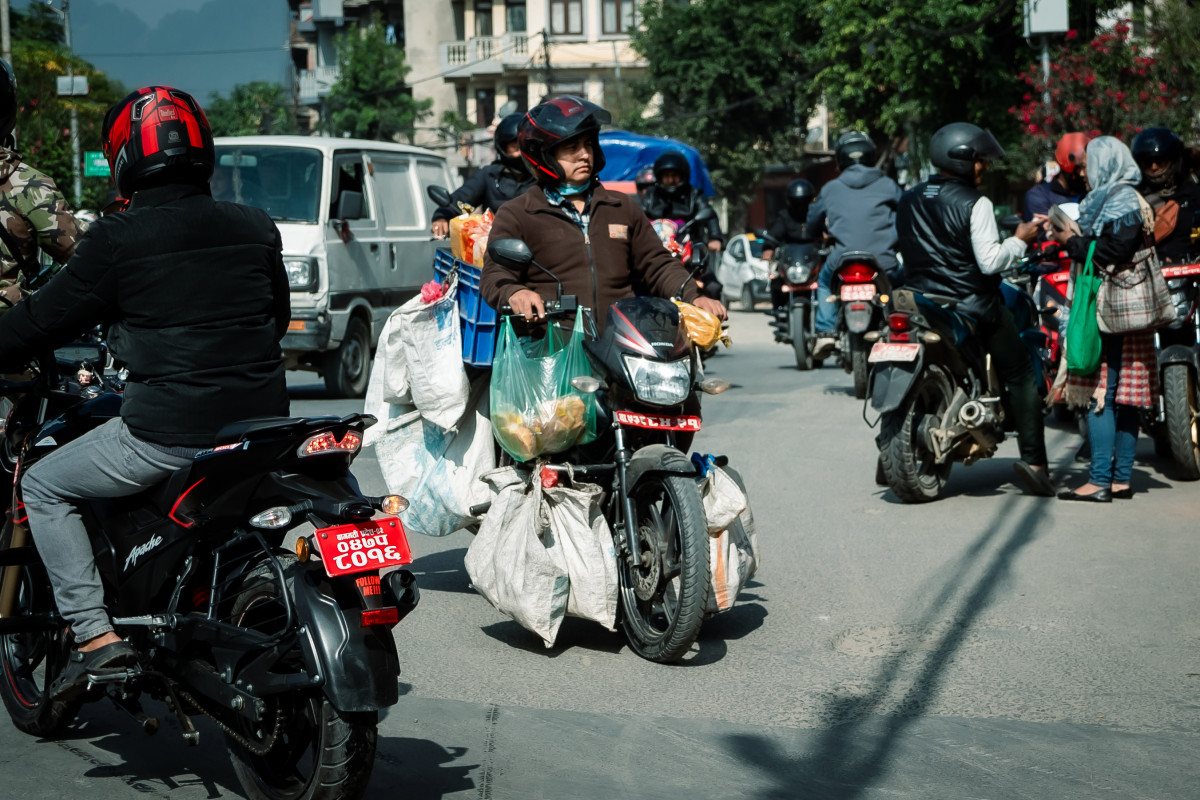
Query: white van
point(354, 218)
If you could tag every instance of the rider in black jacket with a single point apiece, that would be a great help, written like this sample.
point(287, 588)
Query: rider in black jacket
point(672, 196)
point(789, 227)
point(195, 298)
point(491, 186)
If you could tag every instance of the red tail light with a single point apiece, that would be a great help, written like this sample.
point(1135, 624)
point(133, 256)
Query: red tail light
point(897, 322)
point(856, 273)
point(388, 615)
point(326, 442)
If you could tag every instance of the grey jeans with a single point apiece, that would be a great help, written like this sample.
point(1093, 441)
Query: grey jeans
point(106, 462)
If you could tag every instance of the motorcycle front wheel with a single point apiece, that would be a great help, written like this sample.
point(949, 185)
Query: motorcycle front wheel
point(912, 472)
point(319, 753)
point(29, 661)
point(800, 343)
point(663, 599)
point(1181, 401)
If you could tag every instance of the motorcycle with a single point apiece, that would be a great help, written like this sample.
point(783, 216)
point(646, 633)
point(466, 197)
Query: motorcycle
point(862, 290)
point(1173, 424)
point(939, 397)
point(795, 322)
point(647, 414)
point(290, 653)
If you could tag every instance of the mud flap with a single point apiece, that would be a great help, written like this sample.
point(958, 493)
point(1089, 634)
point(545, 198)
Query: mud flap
point(890, 383)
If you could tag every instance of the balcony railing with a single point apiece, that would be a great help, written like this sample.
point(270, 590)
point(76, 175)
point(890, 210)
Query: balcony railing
point(316, 83)
point(483, 55)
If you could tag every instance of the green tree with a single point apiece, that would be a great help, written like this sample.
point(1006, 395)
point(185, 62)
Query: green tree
point(369, 99)
point(741, 98)
point(258, 107)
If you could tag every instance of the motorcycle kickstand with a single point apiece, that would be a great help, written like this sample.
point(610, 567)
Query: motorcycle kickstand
point(190, 734)
point(133, 707)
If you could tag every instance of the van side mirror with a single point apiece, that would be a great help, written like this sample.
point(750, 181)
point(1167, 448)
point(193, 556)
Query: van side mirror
point(349, 205)
point(439, 195)
point(510, 253)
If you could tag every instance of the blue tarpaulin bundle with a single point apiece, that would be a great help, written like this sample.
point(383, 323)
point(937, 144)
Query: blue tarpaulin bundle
point(625, 154)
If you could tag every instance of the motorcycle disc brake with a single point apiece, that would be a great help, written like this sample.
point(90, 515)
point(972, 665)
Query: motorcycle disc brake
point(647, 576)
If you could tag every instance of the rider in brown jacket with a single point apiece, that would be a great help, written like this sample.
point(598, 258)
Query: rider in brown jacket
point(596, 241)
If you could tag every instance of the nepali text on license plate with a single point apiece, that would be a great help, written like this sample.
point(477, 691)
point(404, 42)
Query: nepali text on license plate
point(858, 291)
point(659, 422)
point(362, 546)
point(893, 351)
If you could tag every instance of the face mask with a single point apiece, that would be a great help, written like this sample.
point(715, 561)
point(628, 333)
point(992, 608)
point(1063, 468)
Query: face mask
point(568, 189)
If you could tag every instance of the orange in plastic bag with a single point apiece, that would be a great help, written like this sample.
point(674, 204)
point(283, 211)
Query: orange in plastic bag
point(703, 328)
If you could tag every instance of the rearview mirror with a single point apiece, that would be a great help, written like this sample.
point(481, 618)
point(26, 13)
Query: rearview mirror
point(1009, 222)
point(439, 195)
point(705, 214)
point(350, 205)
point(510, 253)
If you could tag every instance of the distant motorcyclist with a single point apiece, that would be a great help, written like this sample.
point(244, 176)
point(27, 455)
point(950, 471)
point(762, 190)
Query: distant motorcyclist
point(491, 186)
point(1170, 191)
point(674, 197)
point(858, 212)
point(951, 246)
point(1068, 186)
point(790, 227)
point(643, 181)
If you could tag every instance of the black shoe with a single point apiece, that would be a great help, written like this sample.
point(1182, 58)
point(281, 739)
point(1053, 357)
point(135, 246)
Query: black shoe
point(1037, 481)
point(1101, 495)
point(1123, 494)
point(1084, 454)
point(73, 681)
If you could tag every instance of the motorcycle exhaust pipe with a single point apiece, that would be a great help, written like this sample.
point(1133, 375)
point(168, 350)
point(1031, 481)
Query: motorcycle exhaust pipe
point(974, 414)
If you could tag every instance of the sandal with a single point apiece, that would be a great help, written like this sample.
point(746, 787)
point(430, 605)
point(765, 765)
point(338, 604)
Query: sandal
point(73, 681)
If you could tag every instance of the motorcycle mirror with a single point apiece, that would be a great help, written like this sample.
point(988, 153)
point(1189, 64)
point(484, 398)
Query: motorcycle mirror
point(1009, 222)
point(510, 253)
point(705, 214)
point(439, 195)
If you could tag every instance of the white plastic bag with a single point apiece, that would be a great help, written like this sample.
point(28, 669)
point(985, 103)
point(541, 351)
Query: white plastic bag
point(733, 549)
point(430, 339)
point(509, 565)
point(438, 470)
point(580, 541)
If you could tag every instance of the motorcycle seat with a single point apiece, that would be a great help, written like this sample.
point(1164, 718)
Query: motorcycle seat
point(265, 427)
point(940, 311)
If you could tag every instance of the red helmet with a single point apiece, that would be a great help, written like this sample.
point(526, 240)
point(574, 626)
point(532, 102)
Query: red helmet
point(1070, 151)
point(556, 122)
point(157, 135)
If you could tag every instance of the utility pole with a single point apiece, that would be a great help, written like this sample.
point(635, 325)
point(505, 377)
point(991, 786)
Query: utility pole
point(5, 34)
point(76, 156)
point(546, 53)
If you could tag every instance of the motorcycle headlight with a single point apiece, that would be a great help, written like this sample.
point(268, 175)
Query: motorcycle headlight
point(799, 273)
point(660, 383)
point(301, 272)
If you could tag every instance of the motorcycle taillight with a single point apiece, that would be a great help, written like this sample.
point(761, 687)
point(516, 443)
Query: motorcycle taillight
point(898, 322)
point(856, 273)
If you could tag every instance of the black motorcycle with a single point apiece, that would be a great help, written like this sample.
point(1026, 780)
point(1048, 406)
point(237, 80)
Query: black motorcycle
point(1174, 423)
point(290, 653)
point(795, 322)
point(648, 411)
point(861, 289)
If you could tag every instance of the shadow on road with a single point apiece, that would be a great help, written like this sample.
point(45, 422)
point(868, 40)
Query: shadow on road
point(443, 572)
point(848, 758)
point(418, 769)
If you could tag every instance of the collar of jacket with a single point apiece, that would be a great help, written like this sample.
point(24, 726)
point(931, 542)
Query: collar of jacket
point(161, 195)
point(600, 195)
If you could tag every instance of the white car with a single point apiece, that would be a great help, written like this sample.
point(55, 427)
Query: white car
point(743, 273)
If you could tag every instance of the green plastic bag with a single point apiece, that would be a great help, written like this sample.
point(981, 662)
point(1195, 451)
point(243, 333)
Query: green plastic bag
point(1083, 330)
point(535, 411)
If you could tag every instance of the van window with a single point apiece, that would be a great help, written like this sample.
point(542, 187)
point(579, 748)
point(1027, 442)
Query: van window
point(430, 173)
point(393, 179)
point(348, 172)
point(283, 181)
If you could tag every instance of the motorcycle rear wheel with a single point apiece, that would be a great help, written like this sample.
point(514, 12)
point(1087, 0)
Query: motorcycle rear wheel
point(908, 465)
point(1181, 401)
point(797, 322)
point(321, 753)
point(30, 661)
point(661, 614)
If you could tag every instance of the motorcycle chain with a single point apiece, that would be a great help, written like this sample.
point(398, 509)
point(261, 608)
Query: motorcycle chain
point(251, 747)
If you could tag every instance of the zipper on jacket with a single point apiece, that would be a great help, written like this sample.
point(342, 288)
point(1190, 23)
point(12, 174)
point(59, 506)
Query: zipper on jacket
point(587, 241)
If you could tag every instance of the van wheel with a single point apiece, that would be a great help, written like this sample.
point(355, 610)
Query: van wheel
point(348, 368)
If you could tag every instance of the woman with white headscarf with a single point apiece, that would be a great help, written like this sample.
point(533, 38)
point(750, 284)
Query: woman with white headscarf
point(1112, 216)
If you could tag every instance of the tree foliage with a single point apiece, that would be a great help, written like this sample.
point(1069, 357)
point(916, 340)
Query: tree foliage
point(369, 99)
point(258, 107)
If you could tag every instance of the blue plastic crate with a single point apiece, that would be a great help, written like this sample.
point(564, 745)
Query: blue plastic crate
point(479, 320)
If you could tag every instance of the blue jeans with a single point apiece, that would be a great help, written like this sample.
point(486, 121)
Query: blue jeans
point(826, 311)
point(1113, 431)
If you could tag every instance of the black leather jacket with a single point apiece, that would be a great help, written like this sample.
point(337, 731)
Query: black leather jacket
point(489, 188)
point(683, 204)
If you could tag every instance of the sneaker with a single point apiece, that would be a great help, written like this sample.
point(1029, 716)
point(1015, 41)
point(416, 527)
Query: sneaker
point(826, 342)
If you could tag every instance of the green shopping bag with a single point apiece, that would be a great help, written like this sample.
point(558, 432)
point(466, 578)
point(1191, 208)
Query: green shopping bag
point(535, 410)
point(1083, 329)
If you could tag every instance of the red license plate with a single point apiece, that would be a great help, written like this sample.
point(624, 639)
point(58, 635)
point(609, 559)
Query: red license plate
point(1181, 270)
point(362, 546)
point(893, 351)
point(858, 291)
point(658, 422)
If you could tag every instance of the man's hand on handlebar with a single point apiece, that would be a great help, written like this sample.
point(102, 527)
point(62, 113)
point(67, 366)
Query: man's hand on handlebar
point(440, 228)
point(714, 245)
point(714, 307)
point(528, 304)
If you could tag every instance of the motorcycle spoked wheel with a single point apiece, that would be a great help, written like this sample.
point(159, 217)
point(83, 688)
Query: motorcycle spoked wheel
point(858, 365)
point(320, 753)
point(1181, 401)
point(661, 615)
point(908, 465)
point(30, 661)
point(798, 324)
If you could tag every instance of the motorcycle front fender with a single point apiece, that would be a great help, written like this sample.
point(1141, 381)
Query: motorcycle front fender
point(1180, 354)
point(891, 382)
point(655, 458)
point(359, 667)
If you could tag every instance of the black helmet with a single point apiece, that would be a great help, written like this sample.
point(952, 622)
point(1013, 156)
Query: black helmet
point(8, 103)
point(556, 122)
point(799, 194)
point(673, 161)
point(157, 135)
point(1158, 144)
point(644, 178)
point(506, 131)
point(956, 147)
point(854, 148)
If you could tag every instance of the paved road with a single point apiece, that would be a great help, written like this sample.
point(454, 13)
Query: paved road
point(990, 645)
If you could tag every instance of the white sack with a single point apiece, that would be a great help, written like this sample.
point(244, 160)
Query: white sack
point(430, 338)
point(733, 550)
point(580, 542)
